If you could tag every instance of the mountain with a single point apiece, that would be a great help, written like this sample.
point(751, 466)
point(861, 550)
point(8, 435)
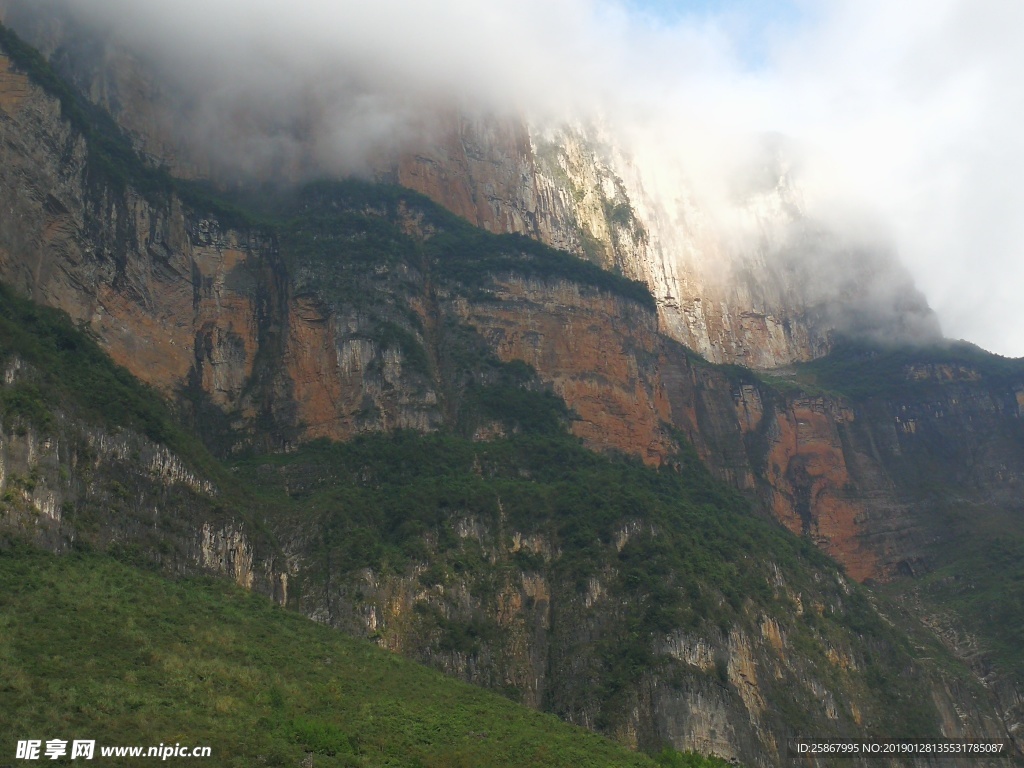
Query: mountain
point(663, 606)
point(752, 278)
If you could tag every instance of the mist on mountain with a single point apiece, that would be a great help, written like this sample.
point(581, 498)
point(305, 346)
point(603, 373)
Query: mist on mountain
point(904, 118)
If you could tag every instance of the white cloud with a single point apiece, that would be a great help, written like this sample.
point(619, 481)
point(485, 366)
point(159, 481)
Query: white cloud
point(918, 105)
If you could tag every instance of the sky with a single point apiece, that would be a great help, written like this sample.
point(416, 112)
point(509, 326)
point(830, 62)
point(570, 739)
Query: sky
point(907, 114)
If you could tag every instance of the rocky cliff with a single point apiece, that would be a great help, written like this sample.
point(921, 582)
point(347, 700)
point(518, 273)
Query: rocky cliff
point(495, 591)
point(68, 484)
point(189, 304)
point(757, 282)
point(751, 279)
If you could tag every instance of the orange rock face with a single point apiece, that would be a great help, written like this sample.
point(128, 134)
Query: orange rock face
point(598, 353)
point(179, 323)
point(477, 170)
point(317, 385)
point(811, 485)
point(163, 293)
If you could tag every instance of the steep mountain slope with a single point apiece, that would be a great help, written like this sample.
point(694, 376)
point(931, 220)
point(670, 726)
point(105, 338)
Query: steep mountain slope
point(752, 279)
point(350, 308)
point(190, 304)
point(946, 423)
point(621, 598)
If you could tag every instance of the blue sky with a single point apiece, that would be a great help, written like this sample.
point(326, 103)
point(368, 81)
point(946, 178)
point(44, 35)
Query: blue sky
point(753, 25)
point(766, 10)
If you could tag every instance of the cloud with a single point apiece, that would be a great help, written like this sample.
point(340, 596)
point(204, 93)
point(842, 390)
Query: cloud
point(907, 113)
point(917, 107)
point(332, 83)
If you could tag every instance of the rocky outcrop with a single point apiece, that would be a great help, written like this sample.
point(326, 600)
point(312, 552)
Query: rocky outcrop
point(69, 485)
point(189, 304)
point(539, 637)
point(169, 293)
point(598, 352)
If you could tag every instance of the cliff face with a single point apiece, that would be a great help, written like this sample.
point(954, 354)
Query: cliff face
point(496, 598)
point(571, 191)
point(169, 293)
point(750, 280)
point(537, 639)
point(753, 281)
point(69, 484)
point(598, 352)
point(188, 304)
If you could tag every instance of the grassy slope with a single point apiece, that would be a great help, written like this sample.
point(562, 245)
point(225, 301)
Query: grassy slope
point(91, 648)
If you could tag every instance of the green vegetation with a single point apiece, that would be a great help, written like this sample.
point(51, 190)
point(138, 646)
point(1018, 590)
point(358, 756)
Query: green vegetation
point(94, 649)
point(620, 213)
point(69, 371)
point(71, 368)
point(355, 221)
point(381, 493)
point(23, 403)
point(978, 578)
point(197, 661)
point(696, 557)
point(860, 370)
point(521, 410)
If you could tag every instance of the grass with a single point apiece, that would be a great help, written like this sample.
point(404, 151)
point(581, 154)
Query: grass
point(92, 648)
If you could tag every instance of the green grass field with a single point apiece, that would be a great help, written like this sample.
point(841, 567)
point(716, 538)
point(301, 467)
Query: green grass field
point(91, 648)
